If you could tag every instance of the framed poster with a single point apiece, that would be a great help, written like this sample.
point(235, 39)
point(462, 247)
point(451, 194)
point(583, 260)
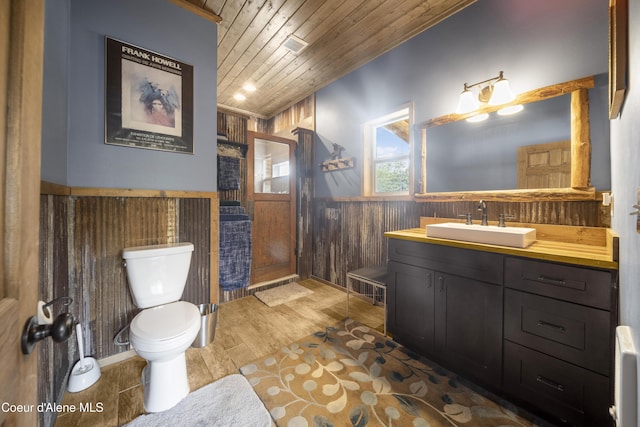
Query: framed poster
point(149, 99)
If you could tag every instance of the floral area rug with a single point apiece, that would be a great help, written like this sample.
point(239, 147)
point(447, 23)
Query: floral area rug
point(350, 375)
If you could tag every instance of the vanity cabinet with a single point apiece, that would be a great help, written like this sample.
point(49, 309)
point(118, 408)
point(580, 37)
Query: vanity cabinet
point(558, 338)
point(539, 332)
point(446, 303)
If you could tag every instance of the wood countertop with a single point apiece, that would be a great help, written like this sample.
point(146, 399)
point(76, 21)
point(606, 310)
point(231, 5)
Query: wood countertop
point(601, 249)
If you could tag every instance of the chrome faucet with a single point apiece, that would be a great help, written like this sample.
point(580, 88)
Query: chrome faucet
point(482, 206)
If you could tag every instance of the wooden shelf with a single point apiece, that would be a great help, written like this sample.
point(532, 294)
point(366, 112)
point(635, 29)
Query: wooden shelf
point(229, 148)
point(336, 164)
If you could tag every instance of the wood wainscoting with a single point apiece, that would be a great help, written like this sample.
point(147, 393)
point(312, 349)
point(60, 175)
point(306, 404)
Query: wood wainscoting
point(349, 233)
point(82, 234)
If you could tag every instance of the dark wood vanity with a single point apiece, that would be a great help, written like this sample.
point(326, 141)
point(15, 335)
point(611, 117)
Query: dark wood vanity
point(535, 325)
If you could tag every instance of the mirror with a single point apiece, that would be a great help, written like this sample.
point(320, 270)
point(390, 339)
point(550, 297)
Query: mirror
point(491, 159)
point(271, 167)
point(465, 156)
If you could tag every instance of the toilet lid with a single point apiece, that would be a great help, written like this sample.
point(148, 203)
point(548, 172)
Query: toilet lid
point(165, 322)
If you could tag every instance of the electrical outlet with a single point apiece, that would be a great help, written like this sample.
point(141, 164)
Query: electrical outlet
point(607, 200)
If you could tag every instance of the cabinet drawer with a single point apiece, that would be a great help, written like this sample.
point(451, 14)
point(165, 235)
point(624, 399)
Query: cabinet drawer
point(479, 265)
point(576, 284)
point(570, 332)
point(568, 392)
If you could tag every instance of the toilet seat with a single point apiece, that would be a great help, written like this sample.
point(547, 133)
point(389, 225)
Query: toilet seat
point(165, 327)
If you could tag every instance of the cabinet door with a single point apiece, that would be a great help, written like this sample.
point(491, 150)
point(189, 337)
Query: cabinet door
point(410, 310)
point(468, 334)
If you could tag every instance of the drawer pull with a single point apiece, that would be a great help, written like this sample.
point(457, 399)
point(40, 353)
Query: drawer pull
point(550, 383)
point(551, 281)
point(552, 326)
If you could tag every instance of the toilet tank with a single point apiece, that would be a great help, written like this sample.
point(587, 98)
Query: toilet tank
point(157, 274)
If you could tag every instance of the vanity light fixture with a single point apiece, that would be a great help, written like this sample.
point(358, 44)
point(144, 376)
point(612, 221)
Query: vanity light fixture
point(493, 91)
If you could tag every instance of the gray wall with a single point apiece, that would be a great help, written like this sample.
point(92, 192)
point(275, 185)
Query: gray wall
point(536, 44)
point(625, 178)
point(74, 152)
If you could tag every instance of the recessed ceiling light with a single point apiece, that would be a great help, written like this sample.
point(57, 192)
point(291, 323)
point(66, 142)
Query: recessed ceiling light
point(295, 44)
point(239, 97)
point(249, 87)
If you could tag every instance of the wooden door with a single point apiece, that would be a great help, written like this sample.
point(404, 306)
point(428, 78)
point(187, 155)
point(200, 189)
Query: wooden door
point(545, 165)
point(21, 58)
point(271, 171)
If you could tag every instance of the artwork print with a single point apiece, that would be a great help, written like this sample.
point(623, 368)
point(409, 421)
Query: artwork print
point(149, 99)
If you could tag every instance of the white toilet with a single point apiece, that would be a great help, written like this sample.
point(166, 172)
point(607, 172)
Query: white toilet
point(166, 327)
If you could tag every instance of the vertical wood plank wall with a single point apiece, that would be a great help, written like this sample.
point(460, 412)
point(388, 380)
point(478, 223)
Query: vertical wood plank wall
point(55, 360)
point(81, 242)
point(304, 199)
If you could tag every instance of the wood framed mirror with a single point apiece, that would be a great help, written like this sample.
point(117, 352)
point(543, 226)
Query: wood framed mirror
point(579, 146)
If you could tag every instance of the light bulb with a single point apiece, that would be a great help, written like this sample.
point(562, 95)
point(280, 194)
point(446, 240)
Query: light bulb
point(467, 102)
point(512, 109)
point(501, 93)
point(478, 118)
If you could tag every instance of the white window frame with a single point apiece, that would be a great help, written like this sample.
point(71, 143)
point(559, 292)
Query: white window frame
point(369, 155)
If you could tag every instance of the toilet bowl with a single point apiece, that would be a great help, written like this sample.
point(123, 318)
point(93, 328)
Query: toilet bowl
point(161, 335)
point(166, 327)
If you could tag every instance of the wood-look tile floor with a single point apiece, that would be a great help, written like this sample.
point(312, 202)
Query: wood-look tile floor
point(247, 330)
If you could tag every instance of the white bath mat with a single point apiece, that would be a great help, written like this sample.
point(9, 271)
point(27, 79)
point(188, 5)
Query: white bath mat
point(228, 402)
point(281, 294)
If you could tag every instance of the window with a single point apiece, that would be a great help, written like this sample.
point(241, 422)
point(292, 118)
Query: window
point(281, 169)
point(387, 158)
point(271, 167)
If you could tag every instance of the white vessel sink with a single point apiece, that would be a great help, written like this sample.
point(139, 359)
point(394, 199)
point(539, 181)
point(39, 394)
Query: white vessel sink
point(519, 237)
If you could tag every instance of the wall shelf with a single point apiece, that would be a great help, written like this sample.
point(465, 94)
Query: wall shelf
point(337, 164)
point(231, 148)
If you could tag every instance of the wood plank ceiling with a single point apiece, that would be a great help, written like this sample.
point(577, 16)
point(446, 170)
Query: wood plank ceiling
point(342, 35)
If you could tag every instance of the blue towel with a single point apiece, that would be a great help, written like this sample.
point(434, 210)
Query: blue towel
point(228, 173)
point(235, 252)
point(232, 210)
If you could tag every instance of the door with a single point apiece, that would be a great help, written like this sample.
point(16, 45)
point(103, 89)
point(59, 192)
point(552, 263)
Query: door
point(271, 192)
point(21, 57)
point(545, 165)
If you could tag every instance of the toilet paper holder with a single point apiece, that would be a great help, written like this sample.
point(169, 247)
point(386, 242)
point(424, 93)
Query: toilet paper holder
point(44, 313)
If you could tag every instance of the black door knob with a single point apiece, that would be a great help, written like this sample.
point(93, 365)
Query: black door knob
point(60, 330)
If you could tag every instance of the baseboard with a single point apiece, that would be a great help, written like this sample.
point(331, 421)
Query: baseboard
point(326, 282)
point(110, 360)
point(280, 280)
